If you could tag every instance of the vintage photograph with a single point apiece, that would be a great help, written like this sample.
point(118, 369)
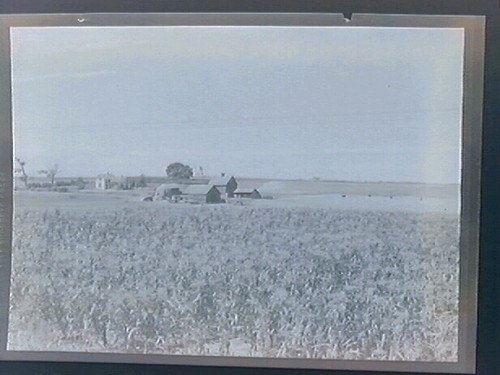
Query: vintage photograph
point(267, 192)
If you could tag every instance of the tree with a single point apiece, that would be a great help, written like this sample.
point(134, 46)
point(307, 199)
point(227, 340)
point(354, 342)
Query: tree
point(179, 170)
point(20, 169)
point(50, 173)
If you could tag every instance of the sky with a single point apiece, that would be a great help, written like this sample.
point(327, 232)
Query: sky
point(335, 103)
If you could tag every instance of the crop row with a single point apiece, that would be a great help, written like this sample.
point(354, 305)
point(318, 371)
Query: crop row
point(269, 282)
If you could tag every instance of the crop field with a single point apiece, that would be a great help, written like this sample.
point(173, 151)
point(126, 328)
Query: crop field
point(236, 281)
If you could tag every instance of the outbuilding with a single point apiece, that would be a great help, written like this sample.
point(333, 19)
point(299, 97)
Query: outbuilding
point(107, 181)
point(104, 181)
point(225, 184)
point(247, 193)
point(167, 191)
point(202, 194)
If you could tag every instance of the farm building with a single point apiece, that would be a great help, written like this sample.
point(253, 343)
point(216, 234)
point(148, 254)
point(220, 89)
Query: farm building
point(167, 191)
point(103, 181)
point(108, 181)
point(202, 194)
point(225, 184)
point(247, 193)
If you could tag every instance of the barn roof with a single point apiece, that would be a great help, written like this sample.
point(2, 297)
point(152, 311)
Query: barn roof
point(170, 186)
point(220, 181)
point(197, 189)
point(164, 188)
point(245, 190)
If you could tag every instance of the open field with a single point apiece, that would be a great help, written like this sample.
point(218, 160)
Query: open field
point(391, 197)
point(113, 274)
point(383, 189)
point(79, 200)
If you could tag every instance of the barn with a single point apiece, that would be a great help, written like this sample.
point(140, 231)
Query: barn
point(247, 193)
point(202, 194)
point(167, 191)
point(225, 184)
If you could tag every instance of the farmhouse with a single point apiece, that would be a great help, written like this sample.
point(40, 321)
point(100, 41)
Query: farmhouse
point(104, 181)
point(108, 181)
point(202, 194)
point(247, 193)
point(167, 191)
point(225, 184)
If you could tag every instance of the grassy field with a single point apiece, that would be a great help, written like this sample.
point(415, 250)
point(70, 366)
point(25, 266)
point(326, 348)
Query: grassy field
point(383, 189)
point(388, 197)
point(122, 275)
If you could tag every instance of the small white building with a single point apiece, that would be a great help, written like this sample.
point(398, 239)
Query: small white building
point(103, 181)
point(108, 181)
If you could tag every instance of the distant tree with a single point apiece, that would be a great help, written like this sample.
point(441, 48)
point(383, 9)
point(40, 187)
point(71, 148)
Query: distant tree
point(20, 169)
point(50, 173)
point(80, 183)
point(179, 170)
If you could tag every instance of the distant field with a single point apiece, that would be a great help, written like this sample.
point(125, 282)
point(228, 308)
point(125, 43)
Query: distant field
point(395, 197)
point(79, 200)
point(384, 189)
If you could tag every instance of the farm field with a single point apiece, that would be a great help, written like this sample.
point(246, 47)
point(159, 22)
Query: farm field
point(384, 189)
point(391, 197)
point(263, 281)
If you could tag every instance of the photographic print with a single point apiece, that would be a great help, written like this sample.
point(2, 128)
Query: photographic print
point(237, 191)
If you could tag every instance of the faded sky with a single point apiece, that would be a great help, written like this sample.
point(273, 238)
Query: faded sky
point(369, 104)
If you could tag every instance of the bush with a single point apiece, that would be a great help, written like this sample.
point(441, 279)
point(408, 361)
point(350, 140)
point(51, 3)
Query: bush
point(64, 183)
point(40, 185)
